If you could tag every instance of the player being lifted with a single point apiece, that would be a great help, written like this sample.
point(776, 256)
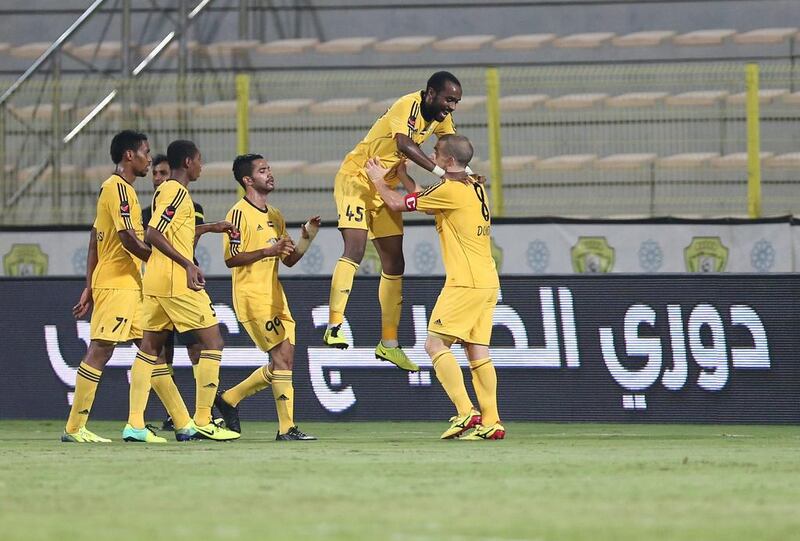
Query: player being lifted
point(113, 277)
point(464, 309)
point(258, 296)
point(395, 136)
point(174, 298)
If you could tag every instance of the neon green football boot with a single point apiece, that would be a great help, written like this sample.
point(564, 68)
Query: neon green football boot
point(83, 435)
point(460, 424)
point(494, 432)
point(214, 431)
point(396, 356)
point(332, 338)
point(142, 435)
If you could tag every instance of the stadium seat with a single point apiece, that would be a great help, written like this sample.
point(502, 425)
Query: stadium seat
point(764, 96)
point(521, 102)
point(339, 106)
point(523, 42)
point(102, 50)
point(697, 98)
point(170, 50)
point(468, 103)
point(238, 46)
point(625, 161)
point(790, 160)
point(285, 167)
point(282, 107)
point(325, 168)
point(379, 107)
point(791, 99)
point(403, 44)
point(112, 110)
point(566, 162)
point(735, 160)
point(686, 160)
point(575, 101)
point(704, 37)
point(516, 163)
point(649, 38)
point(463, 43)
point(636, 99)
point(766, 36)
point(287, 46)
point(587, 40)
point(345, 45)
point(169, 109)
point(216, 109)
point(43, 111)
point(32, 51)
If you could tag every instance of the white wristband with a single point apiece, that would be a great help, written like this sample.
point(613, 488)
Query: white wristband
point(304, 243)
point(468, 170)
point(438, 171)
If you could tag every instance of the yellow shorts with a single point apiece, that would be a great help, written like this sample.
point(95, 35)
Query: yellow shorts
point(117, 315)
point(464, 313)
point(269, 332)
point(360, 207)
point(185, 313)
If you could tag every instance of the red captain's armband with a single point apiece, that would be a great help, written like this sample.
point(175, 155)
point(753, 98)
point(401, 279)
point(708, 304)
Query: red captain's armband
point(410, 201)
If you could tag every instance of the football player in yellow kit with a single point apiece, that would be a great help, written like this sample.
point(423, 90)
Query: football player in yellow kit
point(395, 136)
point(465, 307)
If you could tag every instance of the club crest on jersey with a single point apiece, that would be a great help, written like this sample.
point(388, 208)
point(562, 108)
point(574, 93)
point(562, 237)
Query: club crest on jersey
point(236, 237)
point(411, 201)
point(125, 209)
point(169, 213)
point(412, 123)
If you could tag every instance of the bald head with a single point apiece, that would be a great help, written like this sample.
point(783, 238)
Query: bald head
point(457, 147)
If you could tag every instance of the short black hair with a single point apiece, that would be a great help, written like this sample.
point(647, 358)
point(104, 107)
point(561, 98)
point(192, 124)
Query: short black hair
point(243, 166)
point(457, 147)
point(438, 80)
point(124, 141)
point(159, 158)
point(180, 150)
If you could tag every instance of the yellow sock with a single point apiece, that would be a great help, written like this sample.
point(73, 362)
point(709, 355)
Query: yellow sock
point(341, 284)
point(167, 391)
point(85, 388)
point(484, 379)
point(283, 391)
point(261, 378)
point(194, 371)
point(390, 296)
point(449, 374)
point(141, 372)
point(171, 369)
point(206, 383)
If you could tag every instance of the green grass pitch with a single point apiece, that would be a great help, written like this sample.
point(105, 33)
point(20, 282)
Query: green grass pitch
point(397, 481)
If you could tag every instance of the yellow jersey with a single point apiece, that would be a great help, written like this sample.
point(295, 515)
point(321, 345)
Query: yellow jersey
point(257, 293)
point(173, 216)
point(405, 117)
point(463, 222)
point(117, 210)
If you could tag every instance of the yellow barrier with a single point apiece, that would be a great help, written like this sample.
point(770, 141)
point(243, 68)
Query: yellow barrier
point(495, 147)
point(242, 116)
point(753, 142)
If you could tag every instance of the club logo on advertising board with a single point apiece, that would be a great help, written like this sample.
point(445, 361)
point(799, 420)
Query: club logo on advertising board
point(592, 255)
point(706, 254)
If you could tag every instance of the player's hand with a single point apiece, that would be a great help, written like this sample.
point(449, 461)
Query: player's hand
point(84, 304)
point(194, 277)
point(376, 171)
point(314, 222)
point(282, 248)
point(223, 226)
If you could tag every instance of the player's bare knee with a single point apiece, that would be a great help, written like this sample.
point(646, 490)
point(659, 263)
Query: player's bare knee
point(434, 344)
point(354, 252)
point(395, 266)
point(282, 356)
point(99, 353)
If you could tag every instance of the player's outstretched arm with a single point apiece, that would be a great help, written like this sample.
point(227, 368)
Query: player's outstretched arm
point(131, 242)
point(222, 226)
point(308, 231)
point(194, 276)
point(377, 174)
point(85, 301)
point(283, 248)
point(408, 183)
